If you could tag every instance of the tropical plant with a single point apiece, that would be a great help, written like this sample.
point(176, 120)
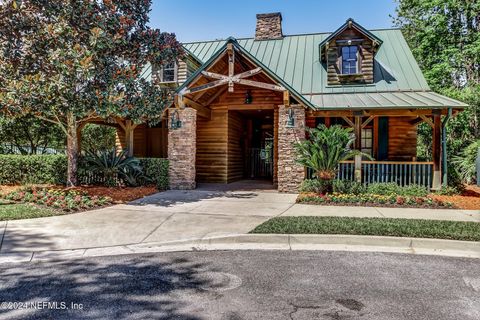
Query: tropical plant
point(325, 149)
point(465, 163)
point(112, 166)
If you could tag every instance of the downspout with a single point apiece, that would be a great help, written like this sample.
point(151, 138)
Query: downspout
point(444, 147)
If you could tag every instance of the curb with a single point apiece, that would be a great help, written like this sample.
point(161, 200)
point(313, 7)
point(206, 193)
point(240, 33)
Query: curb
point(419, 246)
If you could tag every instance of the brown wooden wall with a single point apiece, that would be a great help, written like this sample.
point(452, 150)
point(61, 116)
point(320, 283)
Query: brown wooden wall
point(236, 127)
point(402, 139)
point(365, 62)
point(147, 142)
point(212, 138)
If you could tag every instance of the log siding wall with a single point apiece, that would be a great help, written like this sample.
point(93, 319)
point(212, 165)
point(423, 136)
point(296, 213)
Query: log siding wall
point(365, 60)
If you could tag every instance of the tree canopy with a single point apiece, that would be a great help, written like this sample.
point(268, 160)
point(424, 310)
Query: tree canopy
point(444, 36)
point(68, 62)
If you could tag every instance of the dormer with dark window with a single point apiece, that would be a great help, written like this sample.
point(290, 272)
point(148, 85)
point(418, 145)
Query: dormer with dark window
point(349, 54)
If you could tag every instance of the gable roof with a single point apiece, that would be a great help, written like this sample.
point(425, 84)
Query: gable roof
point(351, 23)
point(222, 49)
point(295, 61)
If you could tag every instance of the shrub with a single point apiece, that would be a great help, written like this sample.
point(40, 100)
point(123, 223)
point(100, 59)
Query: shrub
point(37, 169)
point(373, 199)
point(315, 186)
point(384, 188)
point(391, 188)
point(52, 169)
point(466, 162)
point(448, 191)
point(348, 187)
point(156, 170)
point(413, 190)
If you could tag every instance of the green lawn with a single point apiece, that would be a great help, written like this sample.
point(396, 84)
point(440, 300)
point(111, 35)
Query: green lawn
point(372, 226)
point(24, 211)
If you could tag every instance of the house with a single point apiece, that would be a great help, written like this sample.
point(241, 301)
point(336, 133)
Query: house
point(241, 103)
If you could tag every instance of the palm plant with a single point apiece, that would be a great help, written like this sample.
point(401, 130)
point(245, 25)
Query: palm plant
point(325, 149)
point(110, 165)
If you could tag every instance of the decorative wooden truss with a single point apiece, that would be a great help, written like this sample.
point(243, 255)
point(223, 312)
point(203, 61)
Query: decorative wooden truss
point(228, 81)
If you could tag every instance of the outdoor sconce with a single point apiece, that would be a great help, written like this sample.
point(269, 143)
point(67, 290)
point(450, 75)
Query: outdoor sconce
point(291, 119)
point(175, 121)
point(248, 97)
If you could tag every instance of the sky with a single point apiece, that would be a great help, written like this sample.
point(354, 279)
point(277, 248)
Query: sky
point(197, 20)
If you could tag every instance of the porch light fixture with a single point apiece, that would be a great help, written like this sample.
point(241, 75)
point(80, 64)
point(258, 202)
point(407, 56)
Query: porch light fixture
point(248, 97)
point(291, 119)
point(175, 121)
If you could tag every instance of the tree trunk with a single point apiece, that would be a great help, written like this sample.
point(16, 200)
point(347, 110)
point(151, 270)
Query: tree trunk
point(72, 151)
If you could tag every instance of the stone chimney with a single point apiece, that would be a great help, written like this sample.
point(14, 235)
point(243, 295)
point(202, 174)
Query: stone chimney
point(269, 26)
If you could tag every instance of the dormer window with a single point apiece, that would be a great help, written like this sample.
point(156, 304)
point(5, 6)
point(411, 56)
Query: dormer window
point(350, 60)
point(168, 72)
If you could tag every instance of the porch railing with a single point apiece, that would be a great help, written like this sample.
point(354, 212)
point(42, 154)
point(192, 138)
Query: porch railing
point(401, 173)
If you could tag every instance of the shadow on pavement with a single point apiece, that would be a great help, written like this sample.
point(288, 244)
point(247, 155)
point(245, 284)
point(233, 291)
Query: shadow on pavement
point(140, 288)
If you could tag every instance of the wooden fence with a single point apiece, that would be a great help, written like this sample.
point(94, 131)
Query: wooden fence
point(401, 173)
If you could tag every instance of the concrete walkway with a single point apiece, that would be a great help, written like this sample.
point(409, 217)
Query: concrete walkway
point(182, 215)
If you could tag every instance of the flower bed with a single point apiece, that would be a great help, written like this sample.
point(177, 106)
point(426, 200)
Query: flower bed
point(65, 200)
point(373, 200)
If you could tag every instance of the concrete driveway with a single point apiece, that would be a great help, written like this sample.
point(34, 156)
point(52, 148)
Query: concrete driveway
point(167, 216)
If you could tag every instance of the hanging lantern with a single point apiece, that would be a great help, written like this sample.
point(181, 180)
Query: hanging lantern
point(248, 97)
point(175, 121)
point(290, 119)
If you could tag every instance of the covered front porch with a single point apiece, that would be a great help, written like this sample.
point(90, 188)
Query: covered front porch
point(389, 136)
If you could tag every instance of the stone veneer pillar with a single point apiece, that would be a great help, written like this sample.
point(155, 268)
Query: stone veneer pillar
point(182, 145)
point(290, 174)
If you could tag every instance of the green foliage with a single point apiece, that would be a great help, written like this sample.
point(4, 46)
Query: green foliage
point(111, 166)
point(316, 186)
point(39, 169)
point(325, 149)
point(156, 170)
point(448, 191)
point(97, 138)
point(30, 134)
point(466, 162)
point(52, 169)
point(348, 187)
point(392, 188)
point(445, 39)
point(455, 230)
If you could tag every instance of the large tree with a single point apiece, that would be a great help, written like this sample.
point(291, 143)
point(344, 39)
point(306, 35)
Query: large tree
point(67, 62)
point(444, 36)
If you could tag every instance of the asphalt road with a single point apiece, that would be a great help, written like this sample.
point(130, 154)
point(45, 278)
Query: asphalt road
point(244, 285)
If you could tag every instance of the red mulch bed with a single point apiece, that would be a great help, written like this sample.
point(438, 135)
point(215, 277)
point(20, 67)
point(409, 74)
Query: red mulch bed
point(468, 200)
point(118, 194)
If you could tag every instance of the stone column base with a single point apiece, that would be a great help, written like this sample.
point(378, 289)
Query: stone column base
point(290, 174)
point(182, 147)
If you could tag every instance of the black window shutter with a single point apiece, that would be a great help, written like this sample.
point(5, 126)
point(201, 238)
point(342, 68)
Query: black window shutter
point(382, 138)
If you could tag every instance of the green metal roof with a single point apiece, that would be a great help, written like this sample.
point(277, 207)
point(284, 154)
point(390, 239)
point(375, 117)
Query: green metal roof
point(295, 59)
